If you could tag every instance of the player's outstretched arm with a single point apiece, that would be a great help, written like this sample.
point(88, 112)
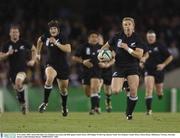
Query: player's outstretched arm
point(106, 46)
point(165, 63)
point(33, 53)
point(137, 53)
point(65, 48)
point(144, 58)
point(33, 56)
point(4, 56)
point(39, 47)
point(77, 59)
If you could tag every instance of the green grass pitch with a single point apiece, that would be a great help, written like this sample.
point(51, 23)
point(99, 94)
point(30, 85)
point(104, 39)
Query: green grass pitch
point(82, 122)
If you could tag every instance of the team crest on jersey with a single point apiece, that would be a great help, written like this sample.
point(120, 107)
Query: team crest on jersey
point(88, 51)
point(156, 49)
point(10, 47)
point(133, 44)
point(21, 47)
point(119, 42)
point(150, 51)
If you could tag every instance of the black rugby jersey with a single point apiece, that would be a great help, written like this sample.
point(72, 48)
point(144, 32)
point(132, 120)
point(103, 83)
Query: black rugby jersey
point(123, 58)
point(157, 54)
point(55, 56)
point(22, 50)
point(88, 51)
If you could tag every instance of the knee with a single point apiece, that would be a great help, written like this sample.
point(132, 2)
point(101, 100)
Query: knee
point(18, 84)
point(159, 89)
point(133, 92)
point(49, 81)
point(115, 90)
point(94, 89)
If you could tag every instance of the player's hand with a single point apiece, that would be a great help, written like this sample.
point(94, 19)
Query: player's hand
point(87, 63)
point(52, 40)
point(31, 63)
point(142, 60)
point(38, 57)
point(104, 65)
point(141, 64)
point(160, 66)
point(10, 52)
point(124, 46)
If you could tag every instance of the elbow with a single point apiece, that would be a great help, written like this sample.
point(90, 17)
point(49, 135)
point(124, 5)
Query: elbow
point(73, 58)
point(68, 49)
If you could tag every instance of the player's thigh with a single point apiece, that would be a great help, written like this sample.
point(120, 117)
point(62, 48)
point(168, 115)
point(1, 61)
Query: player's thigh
point(50, 73)
point(133, 81)
point(117, 84)
point(94, 84)
point(63, 84)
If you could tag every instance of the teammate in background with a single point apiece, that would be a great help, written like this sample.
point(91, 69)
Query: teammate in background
point(16, 52)
point(129, 49)
point(86, 54)
point(56, 65)
point(106, 78)
point(155, 60)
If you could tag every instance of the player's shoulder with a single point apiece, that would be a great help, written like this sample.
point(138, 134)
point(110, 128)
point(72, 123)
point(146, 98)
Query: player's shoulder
point(136, 35)
point(118, 34)
point(24, 41)
point(44, 36)
point(6, 43)
point(84, 45)
point(160, 45)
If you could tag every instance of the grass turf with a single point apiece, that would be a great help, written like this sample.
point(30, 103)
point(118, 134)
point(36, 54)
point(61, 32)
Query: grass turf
point(84, 123)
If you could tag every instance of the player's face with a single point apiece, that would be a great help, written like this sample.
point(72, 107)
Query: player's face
point(151, 38)
point(93, 39)
point(14, 34)
point(101, 40)
point(128, 27)
point(54, 31)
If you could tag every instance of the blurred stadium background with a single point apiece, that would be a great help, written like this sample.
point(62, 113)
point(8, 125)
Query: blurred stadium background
point(77, 18)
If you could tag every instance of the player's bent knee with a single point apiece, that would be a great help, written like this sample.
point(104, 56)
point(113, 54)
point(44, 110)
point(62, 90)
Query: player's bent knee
point(64, 89)
point(115, 90)
point(95, 89)
point(49, 81)
point(18, 84)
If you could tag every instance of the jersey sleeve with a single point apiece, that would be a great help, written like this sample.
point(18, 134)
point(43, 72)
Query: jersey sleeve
point(28, 45)
point(63, 40)
point(140, 43)
point(4, 48)
point(79, 51)
point(43, 38)
point(164, 51)
point(112, 42)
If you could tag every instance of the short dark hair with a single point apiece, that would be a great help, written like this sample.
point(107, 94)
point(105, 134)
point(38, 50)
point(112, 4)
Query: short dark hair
point(15, 26)
point(54, 23)
point(151, 32)
point(93, 32)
